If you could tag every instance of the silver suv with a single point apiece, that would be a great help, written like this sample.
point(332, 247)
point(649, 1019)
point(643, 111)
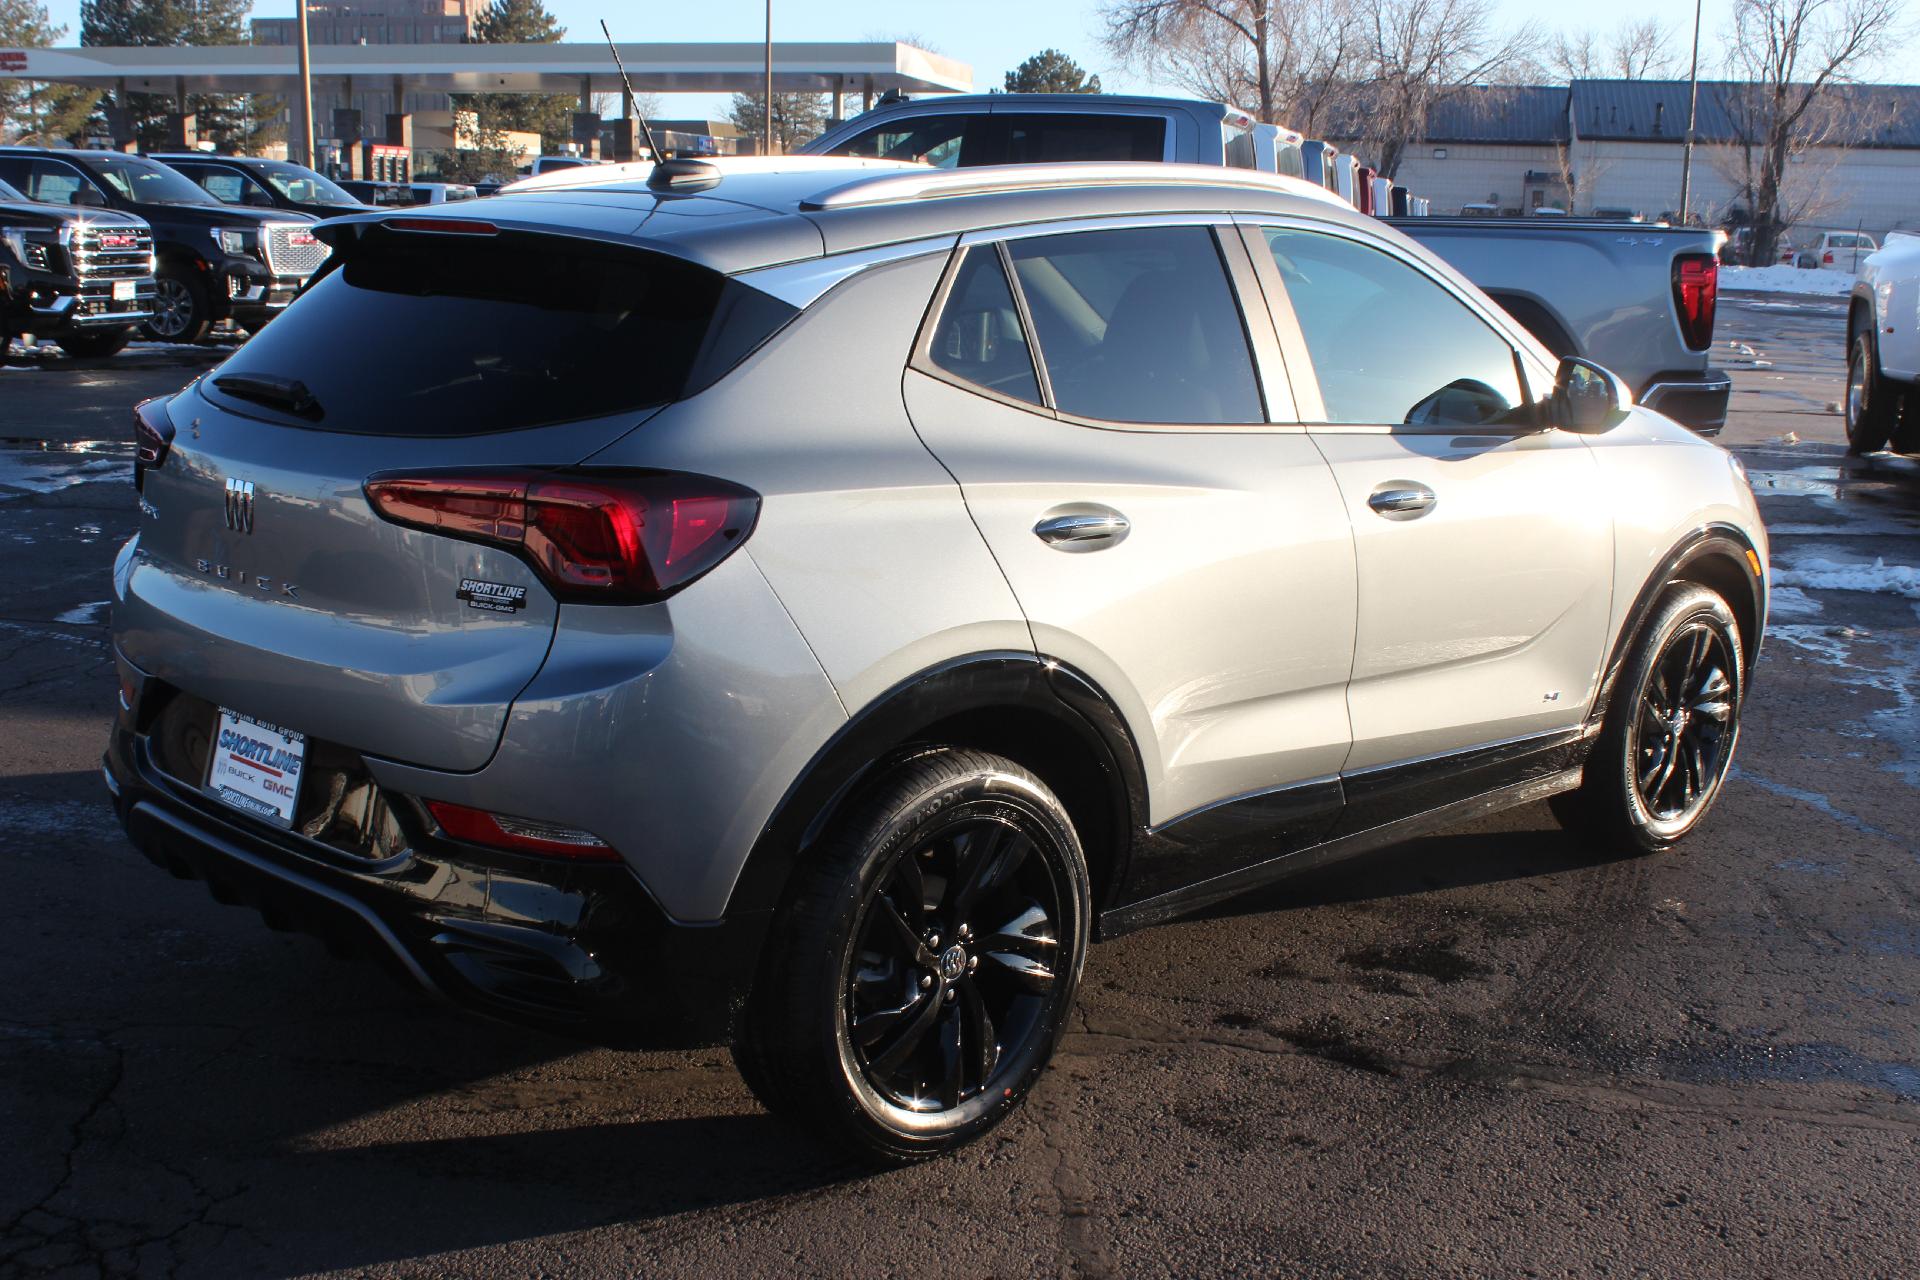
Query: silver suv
point(805, 602)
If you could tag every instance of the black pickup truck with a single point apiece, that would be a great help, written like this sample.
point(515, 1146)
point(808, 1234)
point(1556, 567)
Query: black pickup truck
point(216, 261)
point(82, 277)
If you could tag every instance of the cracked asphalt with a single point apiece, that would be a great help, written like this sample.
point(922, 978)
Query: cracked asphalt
point(1488, 1052)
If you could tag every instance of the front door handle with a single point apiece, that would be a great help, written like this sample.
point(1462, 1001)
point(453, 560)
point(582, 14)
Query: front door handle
point(1401, 500)
point(1085, 527)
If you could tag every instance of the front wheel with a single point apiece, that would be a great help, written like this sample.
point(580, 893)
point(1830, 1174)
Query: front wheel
point(1872, 407)
point(920, 977)
point(181, 312)
point(1670, 729)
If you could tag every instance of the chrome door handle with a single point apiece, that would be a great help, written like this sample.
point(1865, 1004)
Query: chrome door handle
point(1401, 500)
point(1090, 529)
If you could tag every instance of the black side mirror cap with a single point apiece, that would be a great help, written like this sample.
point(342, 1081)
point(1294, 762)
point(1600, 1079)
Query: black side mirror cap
point(1587, 398)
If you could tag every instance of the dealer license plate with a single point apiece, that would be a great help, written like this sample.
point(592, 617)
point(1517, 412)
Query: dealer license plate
point(123, 290)
point(256, 766)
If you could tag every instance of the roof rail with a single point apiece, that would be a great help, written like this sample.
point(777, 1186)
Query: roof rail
point(938, 183)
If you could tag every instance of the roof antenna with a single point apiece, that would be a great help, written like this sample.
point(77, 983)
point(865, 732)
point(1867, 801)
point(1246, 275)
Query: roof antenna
point(631, 97)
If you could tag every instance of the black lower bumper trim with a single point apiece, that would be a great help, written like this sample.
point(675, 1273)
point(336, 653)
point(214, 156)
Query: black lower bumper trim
point(1695, 398)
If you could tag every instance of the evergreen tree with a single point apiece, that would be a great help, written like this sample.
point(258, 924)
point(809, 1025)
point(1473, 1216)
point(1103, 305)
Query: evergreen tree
point(548, 114)
point(229, 121)
point(1051, 71)
point(31, 110)
point(797, 117)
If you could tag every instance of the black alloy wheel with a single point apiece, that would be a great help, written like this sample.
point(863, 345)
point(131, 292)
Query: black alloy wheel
point(180, 310)
point(935, 1002)
point(1682, 736)
point(919, 977)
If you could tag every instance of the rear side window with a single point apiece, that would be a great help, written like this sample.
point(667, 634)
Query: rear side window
point(442, 335)
point(1388, 344)
point(1046, 137)
point(1138, 325)
point(939, 141)
point(978, 339)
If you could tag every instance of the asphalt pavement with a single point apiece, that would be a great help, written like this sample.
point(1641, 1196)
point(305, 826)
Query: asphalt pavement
point(1488, 1052)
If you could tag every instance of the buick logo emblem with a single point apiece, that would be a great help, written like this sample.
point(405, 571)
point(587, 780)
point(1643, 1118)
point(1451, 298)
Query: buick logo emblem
point(240, 505)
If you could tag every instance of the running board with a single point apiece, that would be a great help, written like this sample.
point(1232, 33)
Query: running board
point(1185, 901)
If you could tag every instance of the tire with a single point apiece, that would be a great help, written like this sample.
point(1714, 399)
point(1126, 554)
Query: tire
point(880, 1021)
point(1660, 759)
point(6, 345)
point(180, 309)
point(96, 345)
point(1872, 404)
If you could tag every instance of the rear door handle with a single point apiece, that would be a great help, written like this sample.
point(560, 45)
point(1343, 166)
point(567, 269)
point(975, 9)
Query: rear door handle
point(1086, 527)
point(1401, 500)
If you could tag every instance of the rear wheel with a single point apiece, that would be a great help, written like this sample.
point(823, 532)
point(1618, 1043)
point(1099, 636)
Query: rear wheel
point(1872, 405)
point(1670, 729)
point(180, 309)
point(93, 346)
point(920, 976)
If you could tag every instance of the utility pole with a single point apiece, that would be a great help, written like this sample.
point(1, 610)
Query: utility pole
point(769, 148)
point(306, 87)
point(1693, 113)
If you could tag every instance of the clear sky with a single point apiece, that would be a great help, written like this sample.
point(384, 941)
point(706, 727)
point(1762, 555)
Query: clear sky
point(993, 36)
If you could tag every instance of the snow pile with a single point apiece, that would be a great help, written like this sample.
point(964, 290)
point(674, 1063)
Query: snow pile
point(1787, 278)
point(1833, 575)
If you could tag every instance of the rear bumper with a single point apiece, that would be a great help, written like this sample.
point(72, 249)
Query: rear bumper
point(579, 950)
point(1695, 398)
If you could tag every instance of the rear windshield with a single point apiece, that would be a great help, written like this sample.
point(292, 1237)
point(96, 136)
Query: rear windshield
point(450, 335)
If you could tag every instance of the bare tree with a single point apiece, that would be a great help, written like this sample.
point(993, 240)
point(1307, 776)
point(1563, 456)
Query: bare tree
point(1636, 51)
point(1793, 61)
point(1421, 52)
point(1283, 62)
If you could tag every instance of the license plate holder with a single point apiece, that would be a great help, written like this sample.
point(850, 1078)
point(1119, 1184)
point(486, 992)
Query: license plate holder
point(123, 290)
point(256, 766)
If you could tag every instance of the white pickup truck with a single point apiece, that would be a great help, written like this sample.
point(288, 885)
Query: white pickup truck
point(1883, 349)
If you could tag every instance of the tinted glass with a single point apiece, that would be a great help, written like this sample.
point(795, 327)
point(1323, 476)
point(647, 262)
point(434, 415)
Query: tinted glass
point(303, 186)
point(937, 141)
point(223, 185)
point(1390, 345)
point(145, 181)
point(1138, 325)
point(8, 193)
point(428, 335)
point(1041, 137)
point(979, 339)
point(50, 181)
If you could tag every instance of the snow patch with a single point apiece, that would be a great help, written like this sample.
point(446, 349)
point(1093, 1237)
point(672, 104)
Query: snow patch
point(83, 614)
point(1834, 575)
point(1792, 602)
point(1786, 278)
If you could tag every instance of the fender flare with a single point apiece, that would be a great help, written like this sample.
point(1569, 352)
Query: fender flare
point(1717, 539)
point(887, 730)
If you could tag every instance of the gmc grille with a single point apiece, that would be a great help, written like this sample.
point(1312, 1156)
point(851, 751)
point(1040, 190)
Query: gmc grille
point(293, 250)
point(113, 253)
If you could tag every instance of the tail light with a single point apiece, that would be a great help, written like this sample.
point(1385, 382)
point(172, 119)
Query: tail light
point(597, 537)
point(1827, 258)
point(521, 835)
point(1696, 290)
point(152, 437)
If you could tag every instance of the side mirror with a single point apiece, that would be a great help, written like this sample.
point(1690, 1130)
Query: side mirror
point(86, 196)
point(1587, 398)
point(255, 196)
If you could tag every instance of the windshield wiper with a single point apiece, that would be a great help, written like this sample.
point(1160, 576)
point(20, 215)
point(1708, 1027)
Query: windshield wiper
point(290, 394)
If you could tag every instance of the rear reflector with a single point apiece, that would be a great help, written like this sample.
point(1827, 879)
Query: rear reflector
point(152, 437)
point(1696, 288)
point(593, 536)
point(522, 835)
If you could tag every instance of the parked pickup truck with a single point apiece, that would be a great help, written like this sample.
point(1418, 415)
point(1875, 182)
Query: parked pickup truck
point(1883, 349)
point(82, 277)
point(1638, 300)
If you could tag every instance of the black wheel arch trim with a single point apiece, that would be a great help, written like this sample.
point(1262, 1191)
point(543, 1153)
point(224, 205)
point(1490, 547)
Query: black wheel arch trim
point(895, 726)
point(1715, 539)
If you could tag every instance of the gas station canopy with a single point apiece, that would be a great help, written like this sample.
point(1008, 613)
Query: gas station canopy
point(577, 68)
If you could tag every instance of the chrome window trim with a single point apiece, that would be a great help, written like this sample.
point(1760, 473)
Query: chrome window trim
point(1504, 327)
point(801, 284)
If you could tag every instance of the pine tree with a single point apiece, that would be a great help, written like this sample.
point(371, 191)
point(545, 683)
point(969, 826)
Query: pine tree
point(31, 110)
point(229, 121)
point(548, 114)
point(1051, 71)
point(797, 117)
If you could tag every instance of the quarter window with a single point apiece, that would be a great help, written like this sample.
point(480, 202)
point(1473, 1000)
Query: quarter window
point(1045, 136)
point(1389, 344)
point(979, 339)
point(937, 141)
point(1138, 325)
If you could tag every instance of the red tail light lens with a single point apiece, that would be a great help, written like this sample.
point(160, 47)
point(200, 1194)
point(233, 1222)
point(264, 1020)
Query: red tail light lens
point(152, 437)
point(522, 835)
point(594, 537)
point(1827, 257)
point(1696, 291)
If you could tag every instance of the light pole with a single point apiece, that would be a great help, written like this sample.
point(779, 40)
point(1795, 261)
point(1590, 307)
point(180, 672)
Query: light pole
point(1693, 111)
point(769, 77)
point(306, 87)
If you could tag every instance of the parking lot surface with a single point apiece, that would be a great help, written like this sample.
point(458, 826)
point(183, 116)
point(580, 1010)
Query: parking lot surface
point(1485, 1052)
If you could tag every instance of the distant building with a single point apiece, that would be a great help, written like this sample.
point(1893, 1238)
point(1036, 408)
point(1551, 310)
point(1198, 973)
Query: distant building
point(1618, 145)
point(373, 22)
